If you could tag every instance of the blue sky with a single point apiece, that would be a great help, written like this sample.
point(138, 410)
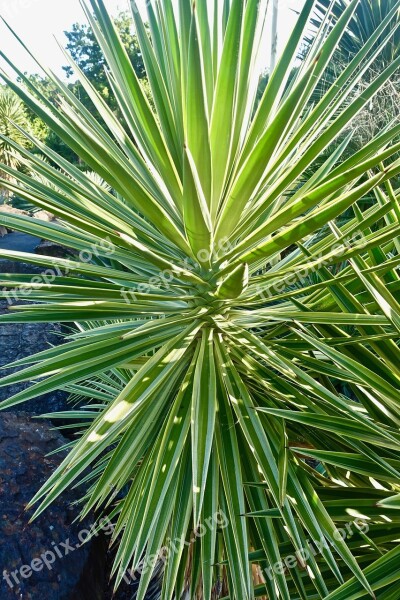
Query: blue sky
point(38, 21)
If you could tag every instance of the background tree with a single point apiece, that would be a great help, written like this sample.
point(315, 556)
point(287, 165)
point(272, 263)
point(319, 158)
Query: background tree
point(37, 126)
point(12, 115)
point(86, 53)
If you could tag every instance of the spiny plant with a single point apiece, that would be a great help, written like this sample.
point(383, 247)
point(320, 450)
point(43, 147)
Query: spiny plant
point(11, 111)
point(384, 107)
point(367, 16)
point(237, 339)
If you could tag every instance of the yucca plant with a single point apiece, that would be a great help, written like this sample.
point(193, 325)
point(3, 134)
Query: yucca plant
point(11, 111)
point(237, 339)
point(366, 18)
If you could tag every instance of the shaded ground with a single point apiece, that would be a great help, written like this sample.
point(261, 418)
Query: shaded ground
point(18, 340)
point(25, 465)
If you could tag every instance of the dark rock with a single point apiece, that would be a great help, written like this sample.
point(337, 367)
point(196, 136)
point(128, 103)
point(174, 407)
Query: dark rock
point(56, 565)
point(11, 266)
point(18, 340)
point(54, 250)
